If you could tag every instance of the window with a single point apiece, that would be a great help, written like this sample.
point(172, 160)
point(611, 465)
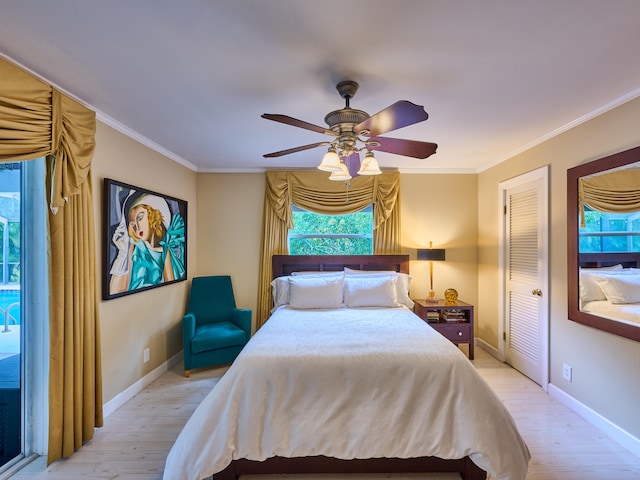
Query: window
point(319, 234)
point(610, 232)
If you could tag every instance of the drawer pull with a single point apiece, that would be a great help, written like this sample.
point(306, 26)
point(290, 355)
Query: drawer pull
point(459, 334)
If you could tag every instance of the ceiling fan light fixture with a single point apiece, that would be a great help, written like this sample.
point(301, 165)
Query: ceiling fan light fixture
point(369, 165)
point(343, 175)
point(330, 161)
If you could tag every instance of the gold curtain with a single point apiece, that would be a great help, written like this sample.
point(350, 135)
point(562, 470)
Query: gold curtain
point(314, 191)
point(614, 192)
point(35, 121)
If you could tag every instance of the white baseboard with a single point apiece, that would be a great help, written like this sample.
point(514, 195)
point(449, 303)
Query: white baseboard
point(120, 399)
point(490, 349)
point(613, 431)
point(609, 428)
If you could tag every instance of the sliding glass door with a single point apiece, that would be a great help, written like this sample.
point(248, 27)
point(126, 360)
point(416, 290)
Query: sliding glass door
point(11, 321)
point(24, 347)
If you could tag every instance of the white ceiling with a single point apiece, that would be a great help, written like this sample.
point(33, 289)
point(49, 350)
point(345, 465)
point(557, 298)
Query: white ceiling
point(191, 78)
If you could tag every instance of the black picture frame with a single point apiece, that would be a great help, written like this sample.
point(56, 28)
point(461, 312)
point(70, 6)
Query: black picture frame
point(147, 250)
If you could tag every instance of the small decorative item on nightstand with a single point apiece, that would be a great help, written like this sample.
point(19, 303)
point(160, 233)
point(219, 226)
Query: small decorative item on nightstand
point(451, 295)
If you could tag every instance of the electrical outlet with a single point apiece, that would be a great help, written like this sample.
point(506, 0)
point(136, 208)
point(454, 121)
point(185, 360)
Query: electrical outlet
point(146, 355)
point(566, 372)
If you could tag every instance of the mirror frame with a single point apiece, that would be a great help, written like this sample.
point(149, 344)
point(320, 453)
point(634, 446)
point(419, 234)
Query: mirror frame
point(573, 279)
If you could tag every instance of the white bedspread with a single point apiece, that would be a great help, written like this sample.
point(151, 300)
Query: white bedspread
point(349, 383)
point(625, 313)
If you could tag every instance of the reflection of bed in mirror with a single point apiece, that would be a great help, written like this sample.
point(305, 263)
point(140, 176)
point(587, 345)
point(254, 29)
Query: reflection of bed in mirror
point(610, 285)
point(603, 185)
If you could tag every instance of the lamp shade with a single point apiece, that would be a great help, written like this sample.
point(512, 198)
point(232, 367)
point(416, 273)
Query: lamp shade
point(343, 174)
point(330, 161)
point(369, 165)
point(431, 254)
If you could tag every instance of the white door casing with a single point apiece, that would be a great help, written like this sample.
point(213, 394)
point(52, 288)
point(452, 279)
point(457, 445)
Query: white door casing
point(524, 295)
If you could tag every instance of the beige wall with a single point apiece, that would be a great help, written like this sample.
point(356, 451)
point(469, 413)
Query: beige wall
point(230, 231)
point(605, 367)
point(441, 209)
point(147, 319)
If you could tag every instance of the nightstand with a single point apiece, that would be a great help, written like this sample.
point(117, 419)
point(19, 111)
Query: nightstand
point(455, 322)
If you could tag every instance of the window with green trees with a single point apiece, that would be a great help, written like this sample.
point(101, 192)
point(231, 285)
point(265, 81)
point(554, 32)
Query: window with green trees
point(319, 234)
point(610, 232)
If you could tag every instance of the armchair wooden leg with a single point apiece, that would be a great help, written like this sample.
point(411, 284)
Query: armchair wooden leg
point(187, 373)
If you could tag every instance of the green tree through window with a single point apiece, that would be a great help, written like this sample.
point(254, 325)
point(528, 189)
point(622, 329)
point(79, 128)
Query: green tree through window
point(319, 234)
point(610, 232)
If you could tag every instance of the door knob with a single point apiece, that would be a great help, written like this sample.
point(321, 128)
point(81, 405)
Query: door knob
point(537, 292)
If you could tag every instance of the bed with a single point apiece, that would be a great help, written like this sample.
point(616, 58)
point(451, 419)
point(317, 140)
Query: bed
point(610, 285)
point(356, 389)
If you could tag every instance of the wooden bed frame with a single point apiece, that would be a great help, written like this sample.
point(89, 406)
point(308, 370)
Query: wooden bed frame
point(596, 260)
point(284, 265)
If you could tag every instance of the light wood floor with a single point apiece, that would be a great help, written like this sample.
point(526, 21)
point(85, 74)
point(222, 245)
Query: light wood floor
point(136, 438)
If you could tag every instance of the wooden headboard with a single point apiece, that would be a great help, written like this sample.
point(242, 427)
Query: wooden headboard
point(595, 260)
point(285, 264)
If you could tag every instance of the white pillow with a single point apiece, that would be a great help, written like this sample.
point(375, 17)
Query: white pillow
point(280, 286)
point(308, 291)
point(280, 291)
point(352, 271)
point(590, 290)
point(600, 269)
point(370, 291)
point(403, 282)
point(313, 272)
point(620, 288)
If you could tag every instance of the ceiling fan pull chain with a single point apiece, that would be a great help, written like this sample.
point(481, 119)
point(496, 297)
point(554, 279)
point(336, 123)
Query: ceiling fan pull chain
point(347, 184)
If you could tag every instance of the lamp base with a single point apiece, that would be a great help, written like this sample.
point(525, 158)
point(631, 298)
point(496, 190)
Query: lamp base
point(432, 297)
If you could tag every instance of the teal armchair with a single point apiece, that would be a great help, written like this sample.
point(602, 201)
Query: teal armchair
point(214, 331)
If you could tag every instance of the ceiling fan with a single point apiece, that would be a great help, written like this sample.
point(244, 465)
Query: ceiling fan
point(348, 126)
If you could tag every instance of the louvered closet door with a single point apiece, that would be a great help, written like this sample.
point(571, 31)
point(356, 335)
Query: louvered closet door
point(524, 315)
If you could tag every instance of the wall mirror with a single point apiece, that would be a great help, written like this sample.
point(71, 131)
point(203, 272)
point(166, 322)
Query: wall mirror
point(603, 243)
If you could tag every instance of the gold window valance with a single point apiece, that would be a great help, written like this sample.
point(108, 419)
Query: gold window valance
point(613, 192)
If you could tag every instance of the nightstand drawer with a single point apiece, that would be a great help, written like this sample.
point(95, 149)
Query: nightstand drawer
point(458, 332)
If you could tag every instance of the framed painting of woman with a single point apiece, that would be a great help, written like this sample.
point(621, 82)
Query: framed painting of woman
point(145, 239)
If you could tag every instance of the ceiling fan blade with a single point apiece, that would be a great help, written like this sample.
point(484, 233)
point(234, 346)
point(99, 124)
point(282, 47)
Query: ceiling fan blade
point(408, 148)
point(297, 123)
point(295, 149)
point(353, 163)
point(398, 115)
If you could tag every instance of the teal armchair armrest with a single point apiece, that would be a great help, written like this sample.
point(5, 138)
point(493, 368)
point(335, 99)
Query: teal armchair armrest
point(189, 325)
point(242, 318)
point(188, 332)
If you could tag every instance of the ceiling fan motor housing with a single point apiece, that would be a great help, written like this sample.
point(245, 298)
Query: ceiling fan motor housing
point(343, 122)
point(348, 117)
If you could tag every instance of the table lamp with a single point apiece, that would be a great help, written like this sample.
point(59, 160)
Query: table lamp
point(432, 255)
